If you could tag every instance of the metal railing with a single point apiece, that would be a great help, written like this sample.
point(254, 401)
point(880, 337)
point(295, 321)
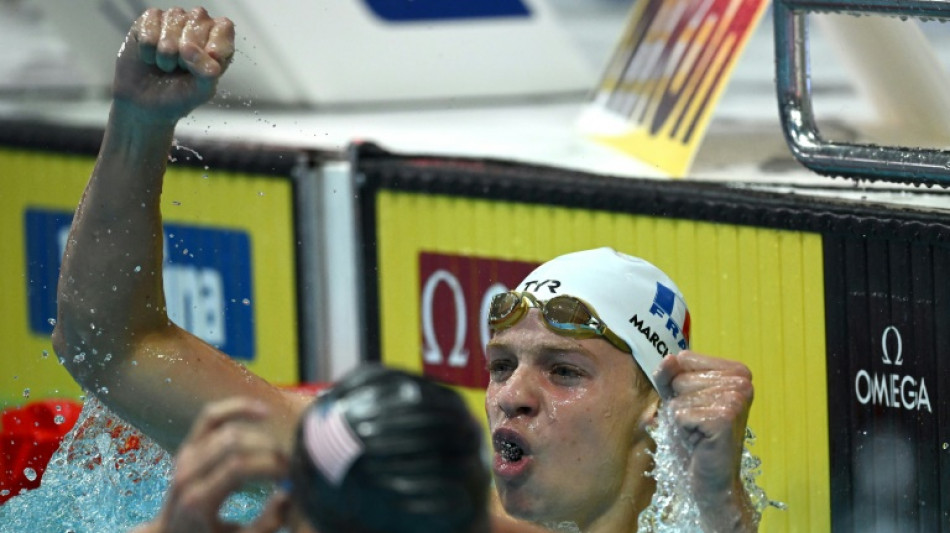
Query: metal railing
point(859, 161)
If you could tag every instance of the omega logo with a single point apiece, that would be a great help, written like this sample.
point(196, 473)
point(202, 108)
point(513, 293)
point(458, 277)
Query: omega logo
point(431, 352)
point(458, 356)
point(899, 359)
point(892, 389)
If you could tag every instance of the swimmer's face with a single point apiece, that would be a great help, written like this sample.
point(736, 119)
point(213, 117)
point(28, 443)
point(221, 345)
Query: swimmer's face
point(567, 419)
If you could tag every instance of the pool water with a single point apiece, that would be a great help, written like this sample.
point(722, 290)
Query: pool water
point(105, 477)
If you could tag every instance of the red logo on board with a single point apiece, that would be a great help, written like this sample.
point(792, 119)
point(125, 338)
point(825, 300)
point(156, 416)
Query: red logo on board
point(455, 291)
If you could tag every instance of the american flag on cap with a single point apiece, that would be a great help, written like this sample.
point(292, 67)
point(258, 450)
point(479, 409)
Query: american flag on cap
point(331, 442)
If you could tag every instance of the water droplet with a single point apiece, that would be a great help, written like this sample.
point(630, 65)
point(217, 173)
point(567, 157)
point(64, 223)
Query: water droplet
point(260, 193)
point(138, 268)
point(135, 363)
point(59, 419)
point(246, 301)
point(52, 321)
point(59, 408)
point(4, 492)
point(176, 202)
point(946, 445)
point(168, 380)
point(80, 357)
point(107, 358)
point(45, 354)
point(92, 325)
point(103, 390)
point(114, 288)
point(30, 474)
point(26, 392)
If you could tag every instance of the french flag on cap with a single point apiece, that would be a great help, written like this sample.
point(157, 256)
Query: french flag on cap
point(667, 303)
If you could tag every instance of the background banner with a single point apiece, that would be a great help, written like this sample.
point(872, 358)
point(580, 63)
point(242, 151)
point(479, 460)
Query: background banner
point(760, 272)
point(230, 273)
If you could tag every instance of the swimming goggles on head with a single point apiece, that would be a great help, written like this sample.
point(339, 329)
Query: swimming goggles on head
point(565, 315)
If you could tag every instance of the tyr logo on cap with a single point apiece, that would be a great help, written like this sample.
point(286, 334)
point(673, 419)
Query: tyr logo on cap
point(536, 286)
point(666, 303)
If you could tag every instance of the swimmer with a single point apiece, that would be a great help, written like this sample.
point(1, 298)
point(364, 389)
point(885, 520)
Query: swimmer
point(569, 398)
point(404, 456)
point(579, 364)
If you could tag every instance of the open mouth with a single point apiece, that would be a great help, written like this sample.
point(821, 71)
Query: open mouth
point(509, 445)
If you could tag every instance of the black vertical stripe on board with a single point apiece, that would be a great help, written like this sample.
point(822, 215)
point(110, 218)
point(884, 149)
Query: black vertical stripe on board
point(941, 401)
point(368, 253)
point(887, 307)
point(923, 313)
point(839, 376)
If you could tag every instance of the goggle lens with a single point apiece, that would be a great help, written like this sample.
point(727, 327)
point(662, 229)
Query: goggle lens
point(564, 314)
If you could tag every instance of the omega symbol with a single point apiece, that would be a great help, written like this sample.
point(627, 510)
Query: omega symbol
point(899, 355)
point(432, 353)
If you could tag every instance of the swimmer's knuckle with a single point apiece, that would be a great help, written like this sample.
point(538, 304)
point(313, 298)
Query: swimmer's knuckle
point(230, 439)
point(744, 371)
point(733, 397)
point(167, 46)
point(224, 23)
point(235, 464)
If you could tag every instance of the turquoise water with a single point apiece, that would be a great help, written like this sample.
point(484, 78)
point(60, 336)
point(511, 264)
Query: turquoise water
point(94, 485)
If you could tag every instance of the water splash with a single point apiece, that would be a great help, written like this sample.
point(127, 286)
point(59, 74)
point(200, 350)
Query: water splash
point(105, 476)
point(673, 509)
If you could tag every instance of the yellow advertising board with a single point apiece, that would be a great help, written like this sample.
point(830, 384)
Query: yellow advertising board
point(755, 295)
point(230, 271)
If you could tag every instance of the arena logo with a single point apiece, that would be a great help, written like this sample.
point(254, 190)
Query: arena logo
point(207, 279)
point(892, 389)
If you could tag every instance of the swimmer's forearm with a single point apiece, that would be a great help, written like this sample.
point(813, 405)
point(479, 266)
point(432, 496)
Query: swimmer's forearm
point(729, 512)
point(110, 288)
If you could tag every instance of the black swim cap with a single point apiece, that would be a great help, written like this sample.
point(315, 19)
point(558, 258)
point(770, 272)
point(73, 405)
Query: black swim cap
point(385, 451)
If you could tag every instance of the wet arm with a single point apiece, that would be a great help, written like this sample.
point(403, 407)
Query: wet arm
point(112, 331)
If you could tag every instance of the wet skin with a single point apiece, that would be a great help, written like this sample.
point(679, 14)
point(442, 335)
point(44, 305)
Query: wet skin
point(568, 424)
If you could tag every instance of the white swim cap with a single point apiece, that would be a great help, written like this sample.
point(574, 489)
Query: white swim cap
point(634, 298)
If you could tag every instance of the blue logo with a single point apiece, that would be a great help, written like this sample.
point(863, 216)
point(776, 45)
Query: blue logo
point(429, 10)
point(207, 279)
